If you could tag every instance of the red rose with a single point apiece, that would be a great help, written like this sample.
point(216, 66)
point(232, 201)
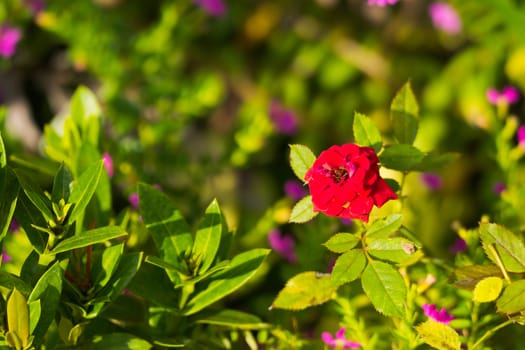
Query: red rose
point(344, 182)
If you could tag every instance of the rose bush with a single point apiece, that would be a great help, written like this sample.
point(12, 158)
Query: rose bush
point(344, 182)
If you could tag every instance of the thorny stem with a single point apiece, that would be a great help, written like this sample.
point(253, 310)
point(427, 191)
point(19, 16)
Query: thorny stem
point(490, 333)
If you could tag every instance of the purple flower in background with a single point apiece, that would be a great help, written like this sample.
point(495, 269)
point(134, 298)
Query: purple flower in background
point(459, 246)
point(36, 6)
point(520, 135)
point(445, 17)
point(382, 3)
point(498, 188)
point(508, 94)
point(284, 120)
point(9, 37)
point(294, 190)
point(441, 316)
point(432, 181)
point(339, 341)
point(13, 226)
point(108, 163)
point(215, 8)
point(5, 257)
point(284, 245)
point(133, 199)
point(346, 221)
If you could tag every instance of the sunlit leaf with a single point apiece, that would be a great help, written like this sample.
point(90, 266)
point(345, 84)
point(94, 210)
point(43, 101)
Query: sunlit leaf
point(342, 242)
point(305, 290)
point(467, 277)
point(395, 249)
point(385, 287)
point(18, 316)
point(401, 157)
point(438, 335)
point(208, 237)
point(233, 319)
point(404, 113)
point(348, 267)
point(366, 133)
point(9, 194)
point(303, 211)
point(512, 299)
point(383, 228)
point(508, 246)
point(89, 237)
point(488, 289)
point(301, 160)
point(83, 189)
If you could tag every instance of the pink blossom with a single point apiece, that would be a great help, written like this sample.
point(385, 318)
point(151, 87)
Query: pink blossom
point(9, 37)
point(284, 245)
point(432, 181)
point(5, 257)
point(13, 226)
point(441, 316)
point(382, 3)
point(36, 6)
point(215, 8)
point(339, 341)
point(133, 199)
point(294, 190)
point(445, 17)
point(508, 94)
point(108, 163)
point(521, 136)
point(498, 188)
point(459, 246)
point(283, 119)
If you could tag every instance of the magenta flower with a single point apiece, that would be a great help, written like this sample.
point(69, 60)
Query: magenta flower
point(108, 163)
point(432, 181)
point(340, 341)
point(133, 200)
point(382, 3)
point(498, 188)
point(445, 17)
point(215, 8)
point(294, 190)
point(9, 37)
point(13, 226)
point(508, 95)
point(284, 245)
point(283, 119)
point(520, 135)
point(5, 257)
point(459, 246)
point(36, 6)
point(441, 316)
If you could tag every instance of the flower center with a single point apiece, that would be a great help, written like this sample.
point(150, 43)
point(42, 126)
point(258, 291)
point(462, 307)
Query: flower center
point(339, 174)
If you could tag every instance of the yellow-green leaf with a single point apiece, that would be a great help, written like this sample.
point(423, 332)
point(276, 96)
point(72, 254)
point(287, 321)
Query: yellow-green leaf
point(304, 290)
point(301, 159)
point(18, 316)
point(439, 336)
point(303, 211)
point(488, 289)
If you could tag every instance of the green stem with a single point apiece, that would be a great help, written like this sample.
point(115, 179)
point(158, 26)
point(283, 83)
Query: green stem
point(490, 333)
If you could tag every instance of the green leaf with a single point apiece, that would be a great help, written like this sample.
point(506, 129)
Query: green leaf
point(301, 160)
point(18, 316)
point(395, 249)
point(348, 267)
point(513, 298)
point(487, 289)
point(83, 189)
point(3, 157)
point(366, 133)
point(84, 106)
point(28, 216)
point(35, 194)
point(468, 277)
point(305, 290)
point(61, 185)
point(105, 263)
point(242, 267)
point(401, 157)
point(342, 242)
point(208, 237)
point(439, 336)
point(383, 228)
point(508, 246)
point(47, 290)
point(233, 319)
point(433, 161)
point(10, 281)
point(170, 232)
point(89, 237)
point(119, 341)
point(9, 194)
point(303, 211)
point(35, 310)
point(385, 287)
point(34, 164)
point(404, 113)
point(153, 285)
